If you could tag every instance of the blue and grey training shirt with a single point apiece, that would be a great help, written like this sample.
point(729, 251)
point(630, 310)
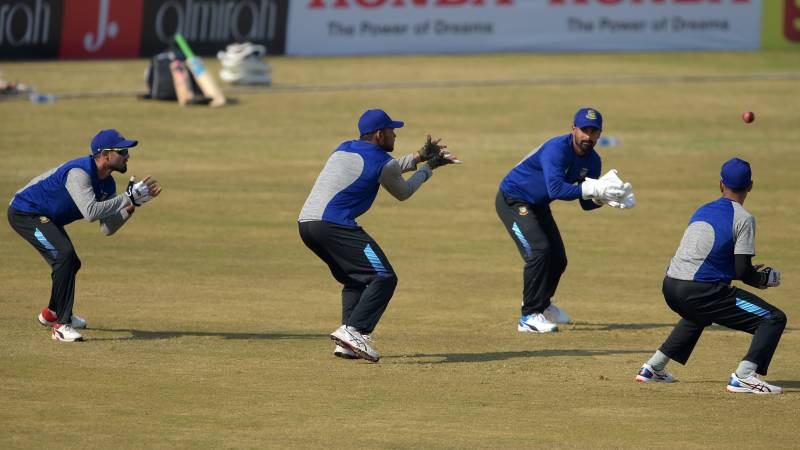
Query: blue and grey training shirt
point(349, 182)
point(717, 231)
point(73, 191)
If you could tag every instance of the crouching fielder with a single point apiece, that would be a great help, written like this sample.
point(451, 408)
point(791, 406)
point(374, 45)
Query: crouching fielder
point(716, 248)
point(82, 188)
point(345, 189)
point(563, 168)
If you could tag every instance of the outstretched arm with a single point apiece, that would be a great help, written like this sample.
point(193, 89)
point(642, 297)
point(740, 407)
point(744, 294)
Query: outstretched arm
point(432, 153)
point(400, 188)
point(409, 162)
point(79, 186)
point(112, 213)
point(138, 193)
point(111, 224)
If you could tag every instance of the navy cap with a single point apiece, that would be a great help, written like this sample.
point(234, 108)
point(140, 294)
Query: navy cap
point(376, 119)
point(106, 139)
point(588, 117)
point(736, 173)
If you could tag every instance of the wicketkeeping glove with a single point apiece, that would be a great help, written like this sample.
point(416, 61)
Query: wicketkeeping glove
point(430, 149)
point(442, 159)
point(627, 200)
point(770, 278)
point(138, 192)
point(602, 190)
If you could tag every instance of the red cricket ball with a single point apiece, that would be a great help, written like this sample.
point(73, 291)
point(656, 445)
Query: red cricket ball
point(748, 116)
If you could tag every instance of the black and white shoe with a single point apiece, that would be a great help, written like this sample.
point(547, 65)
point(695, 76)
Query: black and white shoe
point(350, 338)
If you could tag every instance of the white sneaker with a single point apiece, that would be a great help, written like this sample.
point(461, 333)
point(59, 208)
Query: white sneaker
point(344, 352)
point(751, 385)
point(648, 374)
point(48, 318)
point(555, 314)
point(65, 333)
point(350, 338)
point(536, 323)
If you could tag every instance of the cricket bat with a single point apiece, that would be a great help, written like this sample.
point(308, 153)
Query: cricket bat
point(183, 87)
point(207, 83)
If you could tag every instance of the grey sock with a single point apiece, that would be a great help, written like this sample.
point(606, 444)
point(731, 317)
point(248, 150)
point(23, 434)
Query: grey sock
point(746, 369)
point(658, 361)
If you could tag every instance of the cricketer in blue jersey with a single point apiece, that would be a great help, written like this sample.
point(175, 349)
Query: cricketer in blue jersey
point(716, 248)
point(82, 188)
point(563, 168)
point(345, 189)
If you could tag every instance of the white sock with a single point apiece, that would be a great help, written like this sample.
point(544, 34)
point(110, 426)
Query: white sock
point(658, 361)
point(746, 369)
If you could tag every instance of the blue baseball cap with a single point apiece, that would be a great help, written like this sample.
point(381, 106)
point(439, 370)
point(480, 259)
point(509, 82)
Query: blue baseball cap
point(736, 173)
point(588, 117)
point(376, 119)
point(106, 139)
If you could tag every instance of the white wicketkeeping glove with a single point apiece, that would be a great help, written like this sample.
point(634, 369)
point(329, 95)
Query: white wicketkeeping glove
point(627, 200)
point(602, 190)
point(138, 192)
point(612, 176)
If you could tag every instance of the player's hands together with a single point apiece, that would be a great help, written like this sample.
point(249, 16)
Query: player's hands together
point(602, 190)
point(769, 277)
point(435, 154)
point(142, 191)
point(612, 195)
point(442, 159)
point(627, 201)
point(430, 149)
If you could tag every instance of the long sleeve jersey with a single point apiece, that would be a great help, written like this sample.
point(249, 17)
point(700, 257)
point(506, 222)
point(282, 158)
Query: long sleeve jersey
point(348, 184)
point(552, 172)
point(73, 191)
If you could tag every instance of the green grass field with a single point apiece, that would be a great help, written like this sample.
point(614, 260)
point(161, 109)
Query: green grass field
point(209, 318)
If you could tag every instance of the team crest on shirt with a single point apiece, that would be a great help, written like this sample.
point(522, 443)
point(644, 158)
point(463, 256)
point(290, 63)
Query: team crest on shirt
point(523, 210)
point(43, 219)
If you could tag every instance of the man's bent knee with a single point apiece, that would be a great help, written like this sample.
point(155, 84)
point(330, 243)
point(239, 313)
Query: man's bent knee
point(387, 280)
point(68, 257)
point(777, 317)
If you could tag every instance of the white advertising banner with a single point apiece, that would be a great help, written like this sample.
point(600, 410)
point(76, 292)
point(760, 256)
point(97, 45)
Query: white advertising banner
point(348, 27)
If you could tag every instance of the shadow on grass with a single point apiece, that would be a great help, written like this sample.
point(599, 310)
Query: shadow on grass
point(147, 335)
point(588, 326)
point(786, 384)
point(441, 358)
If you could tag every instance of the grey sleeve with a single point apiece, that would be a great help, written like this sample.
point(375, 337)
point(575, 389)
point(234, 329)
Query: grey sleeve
point(407, 163)
point(111, 224)
point(744, 229)
point(79, 187)
point(392, 180)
